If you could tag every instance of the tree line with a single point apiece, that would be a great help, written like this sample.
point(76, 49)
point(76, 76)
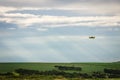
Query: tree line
point(68, 68)
point(112, 73)
point(51, 72)
point(108, 73)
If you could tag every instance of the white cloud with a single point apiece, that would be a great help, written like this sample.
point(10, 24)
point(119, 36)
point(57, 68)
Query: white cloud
point(27, 20)
point(4, 9)
point(101, 7)
point(42, 29)
point(17, 15)
point(11, 28)
point(96, 7)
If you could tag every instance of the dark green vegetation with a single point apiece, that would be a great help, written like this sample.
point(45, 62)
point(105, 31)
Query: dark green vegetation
point(60, 71)
point(86, 67)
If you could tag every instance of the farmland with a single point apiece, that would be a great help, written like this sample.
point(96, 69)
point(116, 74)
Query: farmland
point(86, 67)
point(48, 68)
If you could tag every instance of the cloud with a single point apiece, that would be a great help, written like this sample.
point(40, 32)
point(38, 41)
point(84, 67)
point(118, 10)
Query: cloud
point(87, 6)
point(48, 3)
point(84, 7)
point(18, 15)
point(93, 9)
point(4, 9)
point(11, 28)
point(26, 20)
point(42, 29)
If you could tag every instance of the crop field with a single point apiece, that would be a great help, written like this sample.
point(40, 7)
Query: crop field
point(86, 67)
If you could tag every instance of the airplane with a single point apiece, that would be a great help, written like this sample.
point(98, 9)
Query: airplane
point(91, 37)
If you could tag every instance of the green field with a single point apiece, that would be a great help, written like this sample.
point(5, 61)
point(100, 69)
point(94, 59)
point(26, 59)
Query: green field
point(86, 67)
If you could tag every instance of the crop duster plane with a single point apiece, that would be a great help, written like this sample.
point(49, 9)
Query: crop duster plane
point(91, 37)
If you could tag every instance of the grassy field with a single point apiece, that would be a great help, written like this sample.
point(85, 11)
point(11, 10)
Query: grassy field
point(51, 78)
point(86, 67)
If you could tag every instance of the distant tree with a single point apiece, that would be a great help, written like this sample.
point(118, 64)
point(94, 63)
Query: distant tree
point(98, 75)
point(68, 68)
point(112, 71)
point(26, 71)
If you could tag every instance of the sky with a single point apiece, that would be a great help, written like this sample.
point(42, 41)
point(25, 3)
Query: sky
point(59, 30)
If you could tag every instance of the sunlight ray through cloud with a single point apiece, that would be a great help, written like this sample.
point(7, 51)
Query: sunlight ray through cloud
point(59, 30)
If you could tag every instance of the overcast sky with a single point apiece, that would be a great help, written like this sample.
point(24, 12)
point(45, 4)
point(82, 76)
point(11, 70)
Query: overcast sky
point(59, 30)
